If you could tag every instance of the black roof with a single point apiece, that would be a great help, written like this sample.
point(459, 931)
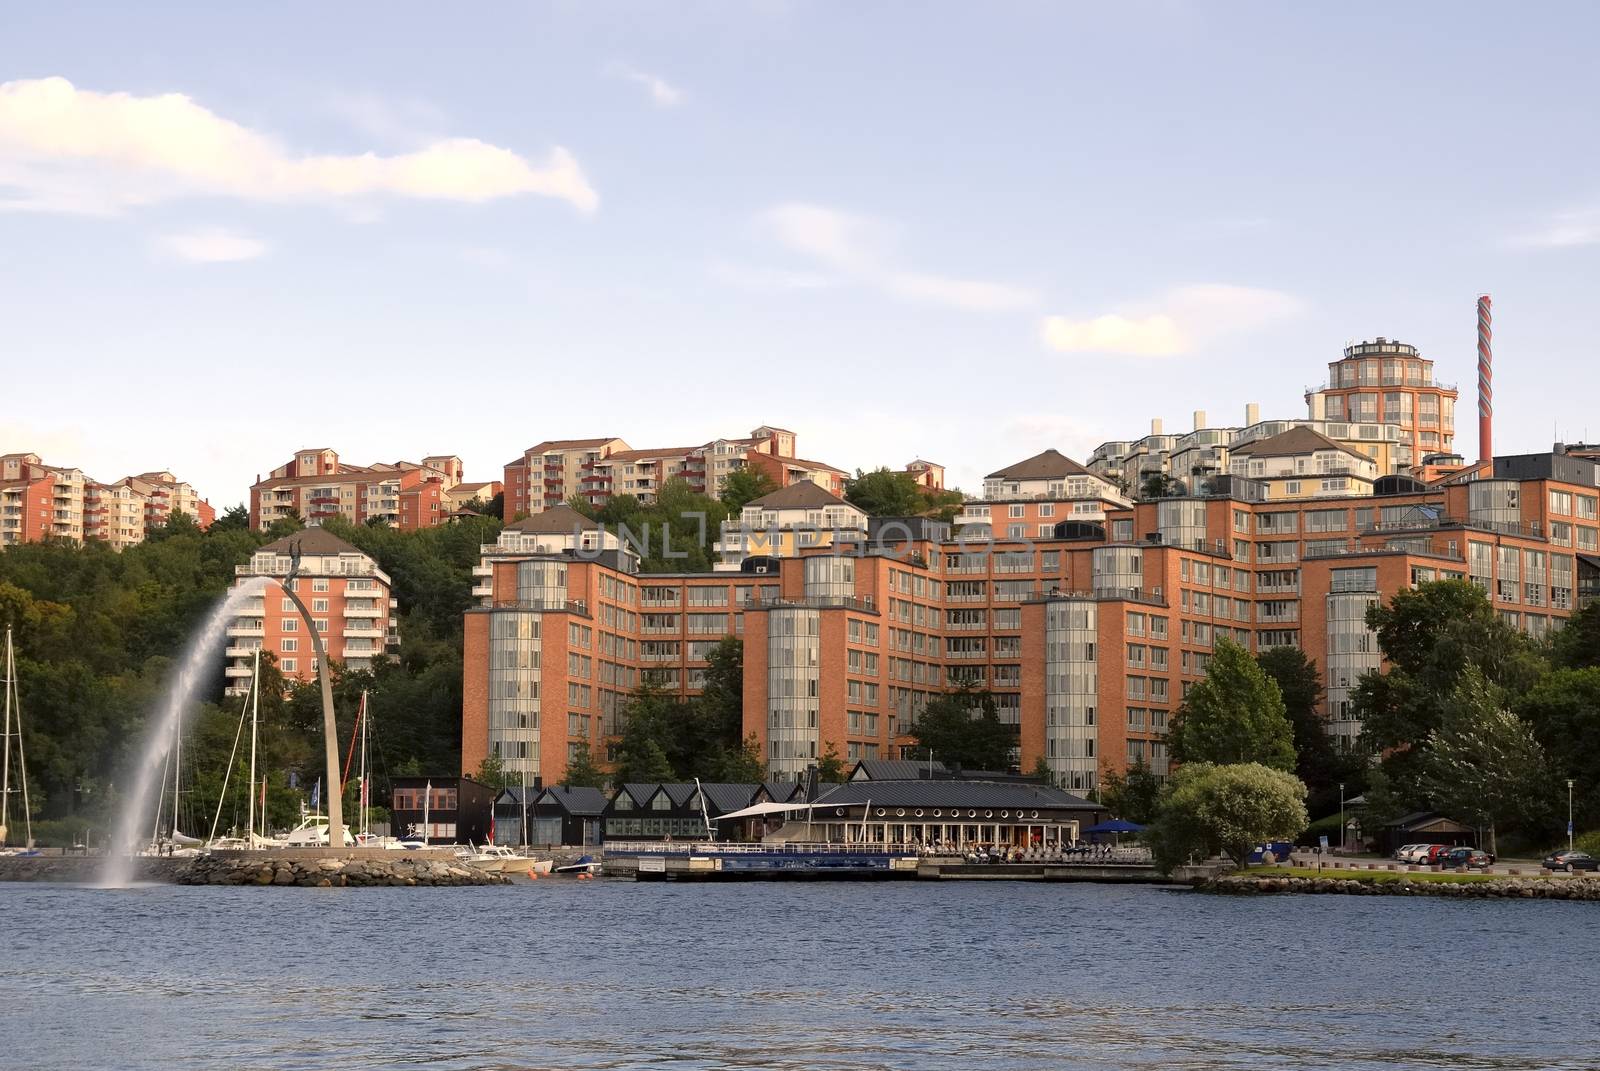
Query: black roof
point(639, 791)
point(990, 795)
point(897, 770)
point(781, 791)
point(724, 797)
point(576, 800)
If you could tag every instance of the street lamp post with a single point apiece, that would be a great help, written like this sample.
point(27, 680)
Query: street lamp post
point(330, 728)
point(1569, 814)
point(1342, 836)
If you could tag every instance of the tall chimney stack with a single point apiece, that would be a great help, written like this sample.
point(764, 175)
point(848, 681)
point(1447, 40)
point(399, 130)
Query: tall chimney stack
point(1485, 376)
point(1199, 419)
point(1155, 426)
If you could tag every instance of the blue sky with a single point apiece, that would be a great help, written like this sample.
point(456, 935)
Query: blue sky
point(960, 232)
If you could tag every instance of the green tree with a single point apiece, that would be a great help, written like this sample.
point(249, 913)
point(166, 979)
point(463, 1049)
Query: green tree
point(963, 728)
point(233, 519)
point(885, 493)
point(581, 771)
point(830, 768)
point(1576, 645)
point(643, 760)
point(1041, 771)
point(1317, 763)
point(492, 772)
point(1484, 766)
point(1159, 485)
point(1134, 796)
point(744, 764)
point(1235, 714)
point(1230, 809)
point(745, 485)
point(1563, 710)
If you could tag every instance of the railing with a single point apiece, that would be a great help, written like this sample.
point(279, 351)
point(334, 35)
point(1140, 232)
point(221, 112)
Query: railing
point(819, 602)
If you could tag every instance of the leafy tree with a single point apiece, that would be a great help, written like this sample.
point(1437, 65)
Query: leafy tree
point(1159, 485)
point(492, 772)
point(744, 764)
point(581, 771)
point(963, 728)
point(1563, 710)
point(745, 485)
point(1576, 645)
point(1230, 808)
point(235, 518)
point(1235, 714)
point(644, 760)
point(1041, 771)
point(1484, 766)
point(885, 493)
point(1316, 762)
point(830, 768)
point(1134, 796)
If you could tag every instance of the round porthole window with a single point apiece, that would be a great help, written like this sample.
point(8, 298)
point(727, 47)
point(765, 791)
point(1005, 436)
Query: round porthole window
point(1033, 814)
point(972, 814)
point(988, 814)
point(838, 812)
point(1007, 814)
point(919, 812)
point(938, 813)
point(900, 812)
point(882, 812)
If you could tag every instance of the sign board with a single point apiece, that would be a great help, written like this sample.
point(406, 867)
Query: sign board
point(652, 865)
point(1323, 841)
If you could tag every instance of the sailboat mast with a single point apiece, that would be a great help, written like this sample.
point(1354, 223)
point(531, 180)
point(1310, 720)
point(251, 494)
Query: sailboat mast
point(5, 768)
point(523, 770)
point(177, 772)
point(255, 707)
point(361, 793)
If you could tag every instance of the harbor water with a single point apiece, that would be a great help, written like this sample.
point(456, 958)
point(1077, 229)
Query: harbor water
point(944, 977)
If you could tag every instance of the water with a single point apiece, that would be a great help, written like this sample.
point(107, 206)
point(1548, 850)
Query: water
point(947, 977)
point(197, 668)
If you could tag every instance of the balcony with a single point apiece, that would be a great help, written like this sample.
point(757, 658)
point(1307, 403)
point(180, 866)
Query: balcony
point(363, 632)
point(242, 631)
point(240, 652)
point(483, 591)
point(238, 671)
point(363, 612)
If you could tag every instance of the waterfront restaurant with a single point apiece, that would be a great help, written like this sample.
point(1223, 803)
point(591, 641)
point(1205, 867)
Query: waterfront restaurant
point(936, 814)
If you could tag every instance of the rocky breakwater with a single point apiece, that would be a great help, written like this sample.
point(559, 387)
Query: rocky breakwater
point(392, 870)
point(1492, 889)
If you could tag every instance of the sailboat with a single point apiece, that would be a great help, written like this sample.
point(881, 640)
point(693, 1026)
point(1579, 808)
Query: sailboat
point(13, 728)
point(526, 860)
point(251, 839)
point(175, 842)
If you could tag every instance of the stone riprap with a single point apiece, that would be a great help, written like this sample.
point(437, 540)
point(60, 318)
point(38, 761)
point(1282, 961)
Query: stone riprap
point(1493, 889)
point(391, 869)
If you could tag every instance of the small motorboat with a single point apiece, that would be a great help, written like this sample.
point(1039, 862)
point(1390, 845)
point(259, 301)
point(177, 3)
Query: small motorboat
point(585, 865)
point(495, 858)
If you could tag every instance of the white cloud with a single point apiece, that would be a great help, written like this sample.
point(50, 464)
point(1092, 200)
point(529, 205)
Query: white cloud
point(212, 246)
point(69, 149)
point(663, 94)
point(861, 250)
point(1565, 230)
point(1181, 321)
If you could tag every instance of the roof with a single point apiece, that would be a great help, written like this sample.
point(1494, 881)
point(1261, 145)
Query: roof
point(804, 463)
point(461, 487)
point(638, 455)
point(722, 797)
point(569, 444)
point(781, 791)
point(1431, 820)
point(557, 520)
point(311, 541)
point(1294, 441)
point(639, 791)
point(576, 800)
point(677, 791)
point(1043, 466)
point(802, 494)
point(895, 769)
point(987, 795)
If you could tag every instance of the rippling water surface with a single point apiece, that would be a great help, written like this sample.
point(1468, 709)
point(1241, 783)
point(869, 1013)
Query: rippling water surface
point(565, 974)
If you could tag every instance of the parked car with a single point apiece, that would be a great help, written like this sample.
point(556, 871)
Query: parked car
point(1571, 861)
point(1467, 859)
point(1414, 853)
point(1432, 856)
point(1404, 851)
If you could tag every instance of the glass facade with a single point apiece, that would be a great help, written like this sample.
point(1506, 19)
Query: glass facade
point(1352, 647)
point(1118, 569)
point(1070, 690)
point(514, 647)
point(1182, 522)
point(830, 578)
point(793, 679)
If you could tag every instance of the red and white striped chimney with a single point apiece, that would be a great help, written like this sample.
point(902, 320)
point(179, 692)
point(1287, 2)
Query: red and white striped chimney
point(1485, 375)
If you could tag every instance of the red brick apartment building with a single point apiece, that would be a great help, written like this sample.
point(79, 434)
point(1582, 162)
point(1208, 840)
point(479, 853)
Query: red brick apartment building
point(316, 485)
point(347, 594)
point(41, 501)
point(551, 473)
point(1089, 636)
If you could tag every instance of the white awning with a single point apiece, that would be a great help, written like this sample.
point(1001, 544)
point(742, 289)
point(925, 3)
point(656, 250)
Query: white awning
point(759, 810)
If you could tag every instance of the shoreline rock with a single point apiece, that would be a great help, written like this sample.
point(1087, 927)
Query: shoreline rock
point(1587, 889)
point(400, 870)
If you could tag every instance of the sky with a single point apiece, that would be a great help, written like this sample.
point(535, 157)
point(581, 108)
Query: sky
point(959, 232)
